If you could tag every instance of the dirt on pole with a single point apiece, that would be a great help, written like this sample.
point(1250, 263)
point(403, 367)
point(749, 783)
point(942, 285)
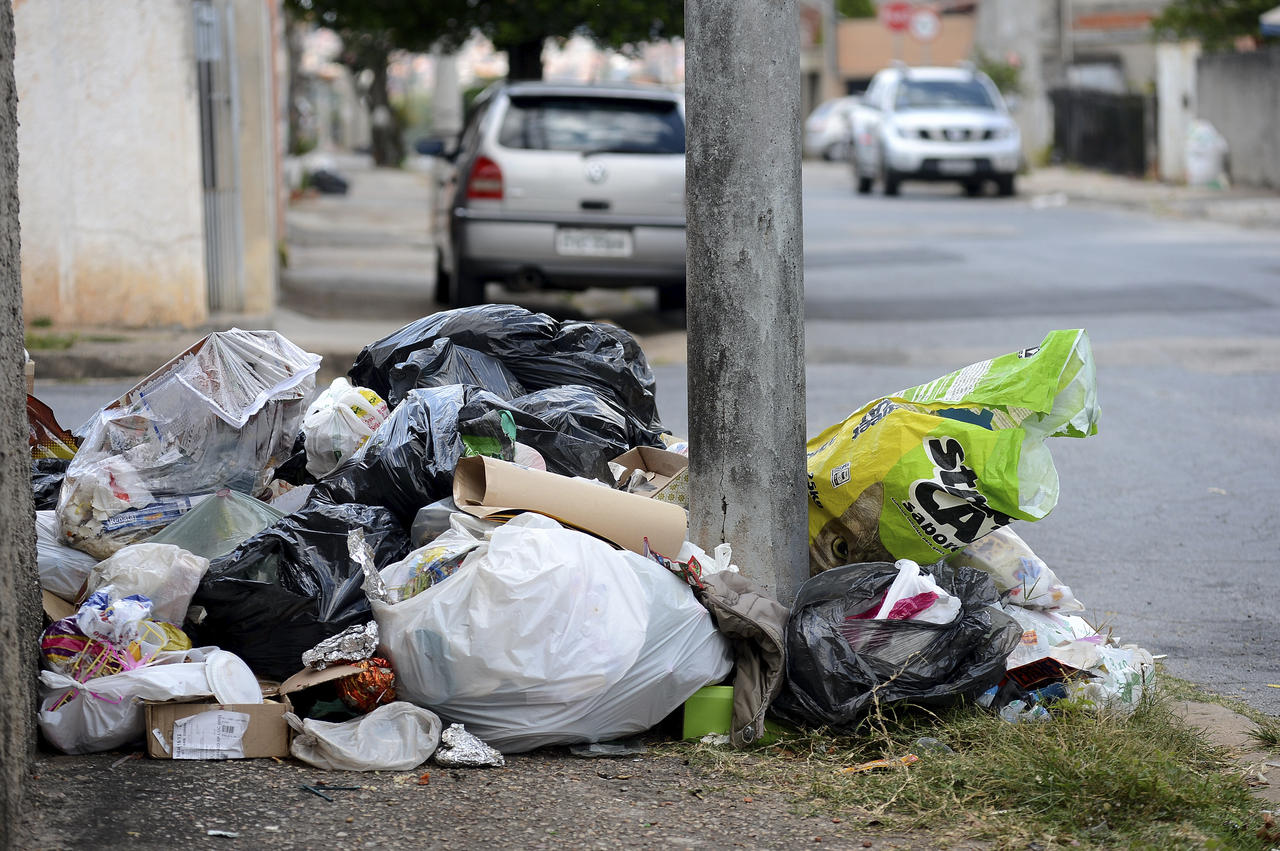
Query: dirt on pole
point(746, 287)
point(19, 606)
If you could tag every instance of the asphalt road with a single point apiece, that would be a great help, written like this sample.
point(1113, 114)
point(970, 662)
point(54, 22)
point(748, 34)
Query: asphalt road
point(1161, 528)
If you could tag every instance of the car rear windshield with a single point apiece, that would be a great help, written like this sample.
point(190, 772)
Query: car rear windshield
point(942, 94)
point(601, 125)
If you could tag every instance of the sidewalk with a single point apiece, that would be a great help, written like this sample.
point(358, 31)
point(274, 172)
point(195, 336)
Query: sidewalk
point(1055, 185)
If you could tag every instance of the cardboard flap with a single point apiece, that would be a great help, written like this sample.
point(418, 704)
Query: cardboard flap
point(486, 487)
point(306, 678)
point(56, 608)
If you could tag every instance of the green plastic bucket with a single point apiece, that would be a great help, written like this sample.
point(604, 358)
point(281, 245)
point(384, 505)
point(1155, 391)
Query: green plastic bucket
point(710, 710)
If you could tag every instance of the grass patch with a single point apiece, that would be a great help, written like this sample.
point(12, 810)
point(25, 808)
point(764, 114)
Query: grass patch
point(1096, 779)
point(1267, 734)
point(42, 322)
point(49, 341)
point(106, 338)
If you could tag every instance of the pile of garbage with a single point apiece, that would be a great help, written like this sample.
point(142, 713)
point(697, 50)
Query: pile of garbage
point(475, 545)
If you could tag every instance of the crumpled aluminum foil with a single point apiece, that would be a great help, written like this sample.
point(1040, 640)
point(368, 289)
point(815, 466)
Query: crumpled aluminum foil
point(351, 645)
point(460, 748)
point(362, 554)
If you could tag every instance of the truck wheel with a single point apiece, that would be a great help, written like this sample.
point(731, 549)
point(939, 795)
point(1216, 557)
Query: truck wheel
point(1005, 185)
point(892, 182)
point(973, 188)
point(864, 184)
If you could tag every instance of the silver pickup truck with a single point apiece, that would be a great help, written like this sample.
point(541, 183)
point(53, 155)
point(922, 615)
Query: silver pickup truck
point(934, 124)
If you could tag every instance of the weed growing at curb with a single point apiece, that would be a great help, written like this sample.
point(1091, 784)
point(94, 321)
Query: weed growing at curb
point(1087, 778)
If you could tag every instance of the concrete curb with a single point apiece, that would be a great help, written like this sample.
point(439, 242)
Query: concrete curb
point(138, 360)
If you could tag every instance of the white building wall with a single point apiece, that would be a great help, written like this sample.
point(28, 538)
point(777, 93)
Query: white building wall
point(1175, 105)
point(109, 181)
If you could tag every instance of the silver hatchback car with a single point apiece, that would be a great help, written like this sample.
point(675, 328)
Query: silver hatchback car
point(564, 187)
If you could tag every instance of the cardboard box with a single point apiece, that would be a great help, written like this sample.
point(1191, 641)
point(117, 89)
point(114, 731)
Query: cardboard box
point(206, 729)
point(667, 473)
point(488, 487)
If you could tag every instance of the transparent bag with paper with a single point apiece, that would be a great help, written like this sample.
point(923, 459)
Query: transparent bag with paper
point(220, 415)
point(550, 636)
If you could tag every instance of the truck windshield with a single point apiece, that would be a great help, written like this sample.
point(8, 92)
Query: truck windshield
point(942, 94)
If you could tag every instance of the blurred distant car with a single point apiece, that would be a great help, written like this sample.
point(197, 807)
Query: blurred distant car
point(566, 187)
point(934, 124)
point(827, 132)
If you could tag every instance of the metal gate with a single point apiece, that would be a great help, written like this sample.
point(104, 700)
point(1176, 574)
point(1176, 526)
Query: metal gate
point(1102, 130)
point(217, 90)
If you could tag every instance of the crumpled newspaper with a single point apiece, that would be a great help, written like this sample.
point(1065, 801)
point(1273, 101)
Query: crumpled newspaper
point(351, 645)
point(460, 748)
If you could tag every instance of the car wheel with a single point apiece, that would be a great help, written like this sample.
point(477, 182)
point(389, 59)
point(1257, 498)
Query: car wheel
point(973, 188)
point(443, 284)
point(864, 184)
point(672, 297)
point(1005, 185)
point(468, 289)
point(892, 182)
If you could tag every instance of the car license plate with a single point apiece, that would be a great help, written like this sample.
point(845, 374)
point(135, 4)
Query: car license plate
point(956, 166)
point(594, 242)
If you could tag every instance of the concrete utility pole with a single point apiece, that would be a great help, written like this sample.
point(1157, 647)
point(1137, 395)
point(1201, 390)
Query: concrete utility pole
point(746, 287)
point(19, 606)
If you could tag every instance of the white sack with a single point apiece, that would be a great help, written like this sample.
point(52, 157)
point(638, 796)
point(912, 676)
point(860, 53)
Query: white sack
point(63, 569)
point(395, 737)
point(551, 636)
point(168, 575)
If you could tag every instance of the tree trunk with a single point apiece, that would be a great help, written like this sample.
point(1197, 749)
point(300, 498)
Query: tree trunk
point(524, 59)
point(388, 146)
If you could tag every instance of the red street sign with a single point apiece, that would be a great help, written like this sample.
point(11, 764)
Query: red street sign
point(896, 15)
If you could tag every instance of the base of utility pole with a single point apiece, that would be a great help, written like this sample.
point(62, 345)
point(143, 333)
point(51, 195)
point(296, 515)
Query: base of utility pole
point(746, 287)
point(19, 595)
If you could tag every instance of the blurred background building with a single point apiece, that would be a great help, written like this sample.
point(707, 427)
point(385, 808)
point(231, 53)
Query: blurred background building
point(160, 139)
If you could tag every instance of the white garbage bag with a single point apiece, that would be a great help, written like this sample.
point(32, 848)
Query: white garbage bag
point(1018, 573)
point(395, 737)
point(166, 574)
point(547, 635)
point(63, 569)
point(338, 423)
point(107, 712)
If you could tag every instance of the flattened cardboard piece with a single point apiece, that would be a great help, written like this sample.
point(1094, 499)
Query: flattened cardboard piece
point(485, 487)
point(308, 677)
point(56, 608)
point(266, 734)
point(669, 473)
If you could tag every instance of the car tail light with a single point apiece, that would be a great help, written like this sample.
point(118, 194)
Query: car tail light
point(485, 180)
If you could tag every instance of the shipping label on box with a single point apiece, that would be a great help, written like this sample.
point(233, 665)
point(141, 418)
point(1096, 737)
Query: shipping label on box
point(203, 730)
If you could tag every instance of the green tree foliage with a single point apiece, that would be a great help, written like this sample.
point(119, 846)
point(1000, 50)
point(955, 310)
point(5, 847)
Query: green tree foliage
point(371, 29)
point(856, 8)
point(1216, 23)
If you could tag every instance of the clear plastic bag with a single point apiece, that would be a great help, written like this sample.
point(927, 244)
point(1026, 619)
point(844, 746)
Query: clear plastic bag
point(218, 525)
point(395, 737)
point(1018, 573)
point(217, 416)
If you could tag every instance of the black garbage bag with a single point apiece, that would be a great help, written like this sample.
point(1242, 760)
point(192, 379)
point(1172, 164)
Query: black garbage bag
point(836, 667)
point(586, 423)
point(294, 584)
point(46, 481)
point(293, 469)
point(539, 351)
point(409, 461)
point(445, 363)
